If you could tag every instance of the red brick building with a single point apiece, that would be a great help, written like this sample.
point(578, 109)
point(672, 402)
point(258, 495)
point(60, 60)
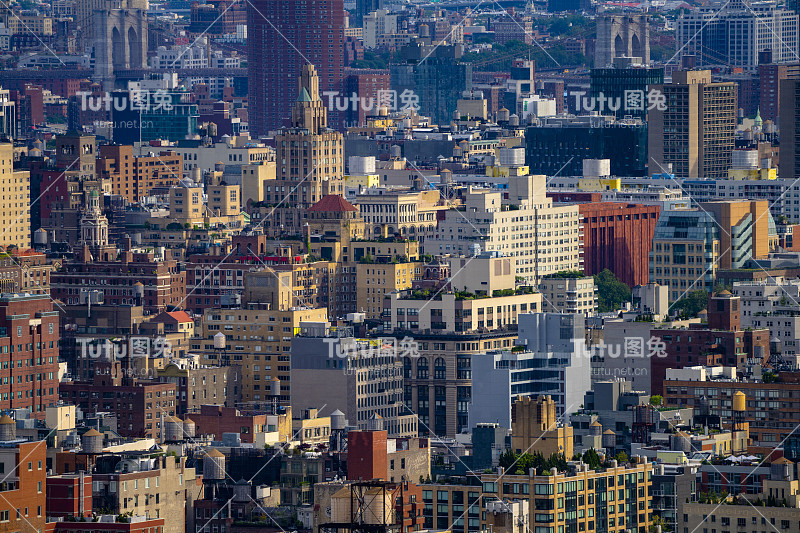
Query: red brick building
point(618, 237)
point(140, 405)
point(28, 352)
point(109, 524)
point(216, 420)
point(366, 84)
point(163, 281)
point(366, 455)
point(769, 79)
point(22, 491)
point(720, 342)
point(69, 495)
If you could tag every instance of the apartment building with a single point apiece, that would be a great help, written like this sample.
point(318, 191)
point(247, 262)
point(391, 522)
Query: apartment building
point(23, 499)
point(540, 237)
point(613, 498)
point(134, 177)
point(363, 378)
point(155, 487)
point(389, 212)
point(772, 303)
point(259, 339)
point(374, 281)
point(15, 217)
point(568, 293)
point(29, 339)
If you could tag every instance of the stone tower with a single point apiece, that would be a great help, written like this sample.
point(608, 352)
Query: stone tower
point(621, 36)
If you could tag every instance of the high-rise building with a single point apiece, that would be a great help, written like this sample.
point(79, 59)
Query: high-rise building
point(310, 160)
point(770, 76)
point(628, 80)
point(689, 245)
point(734, 36)
point(694, 129)
point(789, 120)
point(435, 75)
point(559, 145)
point(282, 38)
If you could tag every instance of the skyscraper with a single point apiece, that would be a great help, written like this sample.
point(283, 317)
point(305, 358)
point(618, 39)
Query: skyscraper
point(694, 129)
point(310, 159)
point(282, 37)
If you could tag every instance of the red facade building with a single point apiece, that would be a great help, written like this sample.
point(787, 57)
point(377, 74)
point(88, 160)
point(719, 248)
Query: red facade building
point(281, 38)
point(22, 490)
point(367, 455)
point(28, 352)
point(69, 495)
point(618, 237)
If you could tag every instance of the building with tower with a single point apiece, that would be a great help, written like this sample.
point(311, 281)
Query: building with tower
point(94, 224)
point(622, 35)
point(283, 37)
point(310, 160)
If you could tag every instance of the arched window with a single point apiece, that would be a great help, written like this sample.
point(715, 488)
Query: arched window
point(422, 368)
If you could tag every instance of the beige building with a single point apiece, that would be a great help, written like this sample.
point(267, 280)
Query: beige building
point(388, 212)
point(481, 274)
point(376, 280)
point(616, 498)
point(419, 311)
point(694, 131)
point(156, 487)
point(259, 339)
point(566, 294)
point(539, 237)
point(15, 186)
point(779, 508)
point(255, 179)
point(535, 428)
point(258, 336)
point(408, 459)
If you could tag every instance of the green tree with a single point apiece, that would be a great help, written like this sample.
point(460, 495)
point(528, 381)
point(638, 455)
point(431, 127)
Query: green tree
point(656, 400)
point(611, 292)
point(691, 304)
point(591, 458)
point(621, 457)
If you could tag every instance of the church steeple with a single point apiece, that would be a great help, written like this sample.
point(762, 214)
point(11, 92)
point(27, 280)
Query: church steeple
point(94, 225)
point(309, 111)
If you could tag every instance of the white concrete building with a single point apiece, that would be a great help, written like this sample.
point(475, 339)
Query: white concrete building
point(540, 237)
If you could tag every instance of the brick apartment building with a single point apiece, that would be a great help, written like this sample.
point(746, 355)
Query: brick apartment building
point(69, 495)
point(136, 176)
point(163, 281)
point(217, 420)
point(719, 342)
point(22, 491)
point(140, 405)
point(28, 352)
